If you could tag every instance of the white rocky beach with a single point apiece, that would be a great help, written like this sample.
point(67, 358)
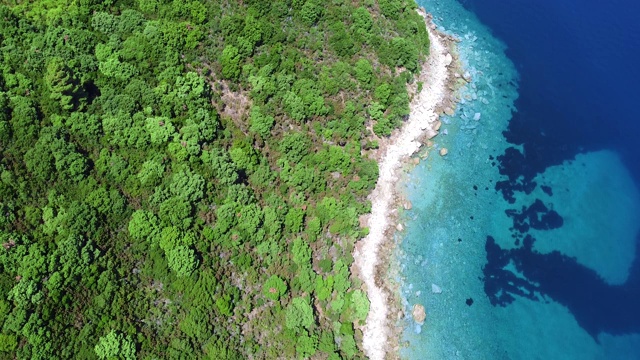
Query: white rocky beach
point(423, 122)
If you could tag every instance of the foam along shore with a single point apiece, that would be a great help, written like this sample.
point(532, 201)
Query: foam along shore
point(423, 121)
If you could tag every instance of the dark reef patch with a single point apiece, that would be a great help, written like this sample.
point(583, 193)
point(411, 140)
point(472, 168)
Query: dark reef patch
point(536, 216)
point(469, 301)
point(597, 306)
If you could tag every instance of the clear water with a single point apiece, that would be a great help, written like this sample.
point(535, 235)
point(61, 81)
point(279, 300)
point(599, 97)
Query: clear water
point(530, 224)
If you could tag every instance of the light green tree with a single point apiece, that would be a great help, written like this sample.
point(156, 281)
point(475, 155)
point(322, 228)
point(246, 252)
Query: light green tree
point(115, 346)
point(182, 260)
point(360, 304)
point(274, 287)
point(160, 129)
point(299, 314)
point(143, 224)
point(260, 123)
point(306, 346)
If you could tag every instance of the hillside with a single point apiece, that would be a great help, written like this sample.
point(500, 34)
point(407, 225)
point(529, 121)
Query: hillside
point(184, 179)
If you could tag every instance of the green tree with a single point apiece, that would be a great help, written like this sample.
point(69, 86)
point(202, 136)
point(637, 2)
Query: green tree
point(143, 224)
point(115, 346)
point(360, 304)
point(364, 72)
point(294, 146)
point(306, 346)
point(230, 62)
point(151, 172)
point(8, 343)
point(301, 252)
point(187, 185)
point(62, 84)
point(159, 129)
point(310, 12)
point(260, 123)
point(382, 93)
point(274, 287)
point(182, 260)
point(299, 314)
point(362, 20)
point(391, 8)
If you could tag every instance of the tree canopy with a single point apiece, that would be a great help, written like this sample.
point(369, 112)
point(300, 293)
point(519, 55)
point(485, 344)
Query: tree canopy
point(183, 179)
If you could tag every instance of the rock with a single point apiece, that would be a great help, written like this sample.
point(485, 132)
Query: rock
point(467, 76)
point(408, 205)
point(444, 151)
point(447, 60)
point(445, 132)
point(436, 289)
point(436, 127)
point(477, 116)
point(399, 227)
point(415, 161)
point(419, 314)
point(456, 75)
point(400, 315)
point(448, 111)
point(431, 134)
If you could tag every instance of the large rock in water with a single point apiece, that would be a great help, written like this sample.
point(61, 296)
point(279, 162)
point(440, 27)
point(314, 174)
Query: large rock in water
point(419, 314)
point(436, 289)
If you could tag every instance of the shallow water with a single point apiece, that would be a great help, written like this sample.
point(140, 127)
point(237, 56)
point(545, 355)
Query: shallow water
point(530, 224)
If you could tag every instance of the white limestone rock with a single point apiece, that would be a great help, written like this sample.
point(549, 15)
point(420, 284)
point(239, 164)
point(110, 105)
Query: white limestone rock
point(436, 289)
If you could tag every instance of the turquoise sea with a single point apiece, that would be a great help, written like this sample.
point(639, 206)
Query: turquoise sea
point(522, 242)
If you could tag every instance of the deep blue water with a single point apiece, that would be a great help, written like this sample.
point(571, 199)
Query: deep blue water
point(579, 64)
point(531, 225)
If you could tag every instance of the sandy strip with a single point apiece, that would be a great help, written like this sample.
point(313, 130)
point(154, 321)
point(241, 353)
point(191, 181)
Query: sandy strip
point(422, 120)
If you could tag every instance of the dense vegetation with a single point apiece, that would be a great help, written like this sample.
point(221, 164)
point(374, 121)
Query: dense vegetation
point(183, 179)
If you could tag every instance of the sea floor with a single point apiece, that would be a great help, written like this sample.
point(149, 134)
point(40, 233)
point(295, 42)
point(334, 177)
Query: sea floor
point(543, 269)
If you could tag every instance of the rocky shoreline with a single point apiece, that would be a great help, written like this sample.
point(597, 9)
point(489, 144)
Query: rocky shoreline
point(441, 78)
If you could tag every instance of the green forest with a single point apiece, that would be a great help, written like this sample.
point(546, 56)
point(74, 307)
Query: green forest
point(184, 179)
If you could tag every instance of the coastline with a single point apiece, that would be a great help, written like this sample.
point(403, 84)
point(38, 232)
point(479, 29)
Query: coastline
point(380, 335)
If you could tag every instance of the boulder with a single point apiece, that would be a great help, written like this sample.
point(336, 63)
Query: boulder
point(448, 111)
point(407, 205)
point(444, 151)
point(477, 116)
point(448, 59)
point(436, 289)
point(399, 227)
point(437, 125)
point(419, 314)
